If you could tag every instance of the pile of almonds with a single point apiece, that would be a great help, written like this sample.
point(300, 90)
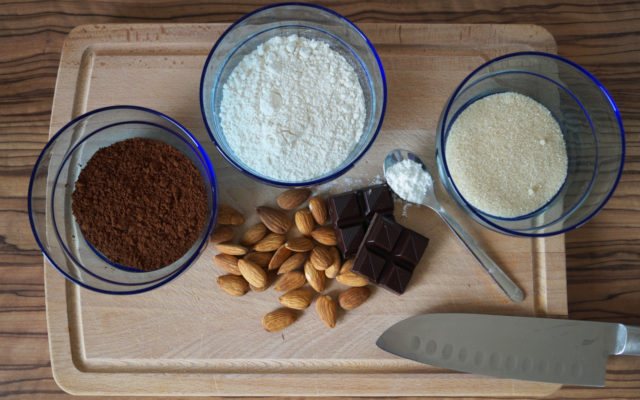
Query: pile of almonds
point(272, 252)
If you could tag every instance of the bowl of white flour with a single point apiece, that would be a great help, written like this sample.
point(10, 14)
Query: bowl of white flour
point(293, 94)
point(530, 144)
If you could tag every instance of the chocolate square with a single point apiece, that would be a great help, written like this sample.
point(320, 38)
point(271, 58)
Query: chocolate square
point(411, 247)
point(377, 199)
point(344, 209)
point(371, 265)
point(384, 235)
point(395, 278)
point(349, 238)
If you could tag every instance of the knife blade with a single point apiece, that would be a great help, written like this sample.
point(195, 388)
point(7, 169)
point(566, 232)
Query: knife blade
point(538, 349)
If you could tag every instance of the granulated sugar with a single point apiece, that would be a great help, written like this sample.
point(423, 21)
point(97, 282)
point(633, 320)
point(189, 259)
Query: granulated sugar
point(292, 109)
point(408, 180)
point(506, 155)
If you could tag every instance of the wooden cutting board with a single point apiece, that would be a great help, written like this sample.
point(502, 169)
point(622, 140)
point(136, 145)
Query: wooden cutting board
point(190, 338)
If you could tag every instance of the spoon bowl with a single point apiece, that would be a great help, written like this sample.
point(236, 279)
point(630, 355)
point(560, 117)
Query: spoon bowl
point(410, 179)
point(428, 196)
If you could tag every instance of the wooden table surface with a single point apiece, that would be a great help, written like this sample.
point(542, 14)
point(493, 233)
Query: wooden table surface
point(603, 256)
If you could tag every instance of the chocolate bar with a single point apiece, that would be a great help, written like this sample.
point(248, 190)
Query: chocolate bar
point(389, 253)
point(351, 213)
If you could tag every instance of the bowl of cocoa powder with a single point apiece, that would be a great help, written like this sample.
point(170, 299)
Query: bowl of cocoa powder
point(122, 200)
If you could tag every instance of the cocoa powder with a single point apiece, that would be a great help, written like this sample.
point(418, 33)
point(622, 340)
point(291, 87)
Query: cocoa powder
point(141, 203)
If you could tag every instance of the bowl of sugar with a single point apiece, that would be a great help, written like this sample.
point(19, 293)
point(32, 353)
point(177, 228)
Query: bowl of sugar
point(293, 94)
point(530, 144)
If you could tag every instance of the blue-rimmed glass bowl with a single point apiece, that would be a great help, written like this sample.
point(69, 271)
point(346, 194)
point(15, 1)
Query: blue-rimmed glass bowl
point(52, 183)
point(305, 20)
point(590, 123)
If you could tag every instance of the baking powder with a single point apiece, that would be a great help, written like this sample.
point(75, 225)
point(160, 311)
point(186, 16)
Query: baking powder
point(292, 109)
point(408, 180)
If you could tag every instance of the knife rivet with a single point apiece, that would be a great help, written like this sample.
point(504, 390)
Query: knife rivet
point(431, 347)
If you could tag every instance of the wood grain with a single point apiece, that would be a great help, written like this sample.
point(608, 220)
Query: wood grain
point(603, 256)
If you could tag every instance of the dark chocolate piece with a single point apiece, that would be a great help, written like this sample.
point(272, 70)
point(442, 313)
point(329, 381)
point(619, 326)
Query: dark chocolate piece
point(351, 213)
point(389, 253)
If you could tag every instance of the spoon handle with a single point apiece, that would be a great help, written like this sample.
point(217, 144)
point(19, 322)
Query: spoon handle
point(513, 292)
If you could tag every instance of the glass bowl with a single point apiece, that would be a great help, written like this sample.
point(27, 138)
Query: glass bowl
point(590, 123)
point(305, 20)
point(52, 183)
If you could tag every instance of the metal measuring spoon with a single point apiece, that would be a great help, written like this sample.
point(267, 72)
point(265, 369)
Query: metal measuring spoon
point(513, 292)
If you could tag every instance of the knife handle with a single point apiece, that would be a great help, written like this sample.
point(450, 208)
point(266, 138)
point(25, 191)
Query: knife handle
point(632, 345)
point(513, 292)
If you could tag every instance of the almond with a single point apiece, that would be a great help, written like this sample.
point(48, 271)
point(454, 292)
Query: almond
point(321, 258)
point(304, 221)
point(253, 234)
point(260, 258)
point(271, 242)
point(222, 233)
point(279, 257)
point(352, 279)
point(293, 262)
point(275, 220)
point(334, 268)
point(331, 272)
point(229, 216)
point(315, 277)
point(279, 319)
point(292, 198)
point(327, 310)
point(252, 272)
point(318, 209)
point(231, 248)
point(299, 244)
point(325, 235)
point(289, 281)
point(352, 298)
point(228, 263)
point(232, 284)
point(346, 266)
point(298, 299)
point(271, 276)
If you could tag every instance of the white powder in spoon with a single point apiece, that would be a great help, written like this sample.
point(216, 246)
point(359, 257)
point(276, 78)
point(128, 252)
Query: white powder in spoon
point(293, 109)
point(408, 180)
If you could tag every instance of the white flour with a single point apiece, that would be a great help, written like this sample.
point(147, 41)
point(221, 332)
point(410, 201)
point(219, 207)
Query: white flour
point(408, 180)
point(292, 109)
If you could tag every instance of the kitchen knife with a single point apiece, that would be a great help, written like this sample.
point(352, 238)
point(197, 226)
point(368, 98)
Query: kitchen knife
point(537, 349)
